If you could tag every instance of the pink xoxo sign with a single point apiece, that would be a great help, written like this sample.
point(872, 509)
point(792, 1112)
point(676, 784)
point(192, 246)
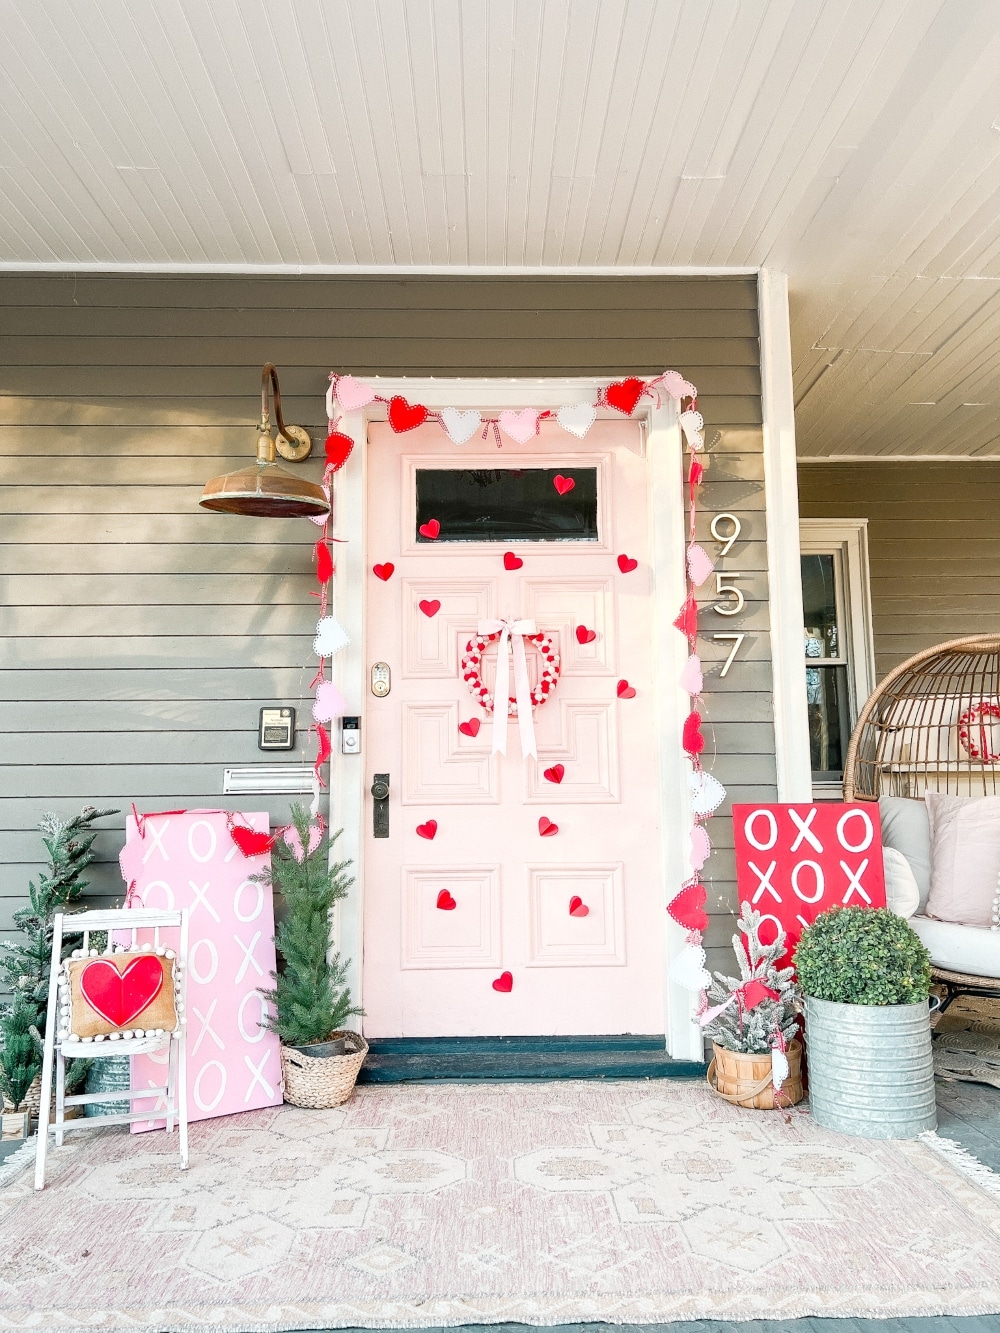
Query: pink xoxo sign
point(188, 858)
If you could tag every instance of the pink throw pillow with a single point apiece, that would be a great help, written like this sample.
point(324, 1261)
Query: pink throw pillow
point(965, 858)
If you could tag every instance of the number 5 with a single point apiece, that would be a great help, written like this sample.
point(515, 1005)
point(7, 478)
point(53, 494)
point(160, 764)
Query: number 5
point(729, 590)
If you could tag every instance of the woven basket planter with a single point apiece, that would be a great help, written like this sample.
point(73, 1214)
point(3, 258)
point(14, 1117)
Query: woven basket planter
point(320, 1083)
point(745, 1080)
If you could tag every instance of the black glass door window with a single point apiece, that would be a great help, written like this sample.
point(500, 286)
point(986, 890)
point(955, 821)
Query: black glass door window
point(507, 504)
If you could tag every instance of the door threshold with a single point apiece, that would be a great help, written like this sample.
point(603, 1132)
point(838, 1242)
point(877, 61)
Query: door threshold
point(521, 1059)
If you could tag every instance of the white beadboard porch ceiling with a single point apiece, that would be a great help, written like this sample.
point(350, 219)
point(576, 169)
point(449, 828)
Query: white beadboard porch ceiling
point(854, 144)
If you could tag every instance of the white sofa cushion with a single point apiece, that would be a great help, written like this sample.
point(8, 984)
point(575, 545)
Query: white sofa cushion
point(906, 827)
point(902, 893)
point(972, 949)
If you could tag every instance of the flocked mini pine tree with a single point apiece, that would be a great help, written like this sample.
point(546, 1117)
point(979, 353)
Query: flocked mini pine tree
point(751, 1022)
point(310, 994)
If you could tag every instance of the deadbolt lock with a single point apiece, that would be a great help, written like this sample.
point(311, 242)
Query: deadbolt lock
point(381, 679)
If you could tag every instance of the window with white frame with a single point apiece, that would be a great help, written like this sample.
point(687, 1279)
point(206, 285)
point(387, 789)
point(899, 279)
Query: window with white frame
point(837, 640)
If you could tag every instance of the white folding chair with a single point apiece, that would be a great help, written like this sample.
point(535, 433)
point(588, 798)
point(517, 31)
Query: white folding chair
point(57, 1049)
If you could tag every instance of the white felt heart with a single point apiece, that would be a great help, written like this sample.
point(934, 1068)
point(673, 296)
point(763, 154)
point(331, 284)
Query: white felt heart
point(688, 968)
point(460, 426)
point(701, 847)
point(329, 702)
point(779, 1068)
point(330, 637)
point(674, 383)
point(520, 426)
point(692, 682)
point(352, 394)
point(693, 426)
point(577, 418)
point(707, 793)
point(700, 564)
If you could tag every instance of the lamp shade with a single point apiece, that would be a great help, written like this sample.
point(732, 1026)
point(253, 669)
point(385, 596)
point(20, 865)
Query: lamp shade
point(264, 490)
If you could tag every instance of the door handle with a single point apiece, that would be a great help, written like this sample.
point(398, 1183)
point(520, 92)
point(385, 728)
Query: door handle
point(380, 807)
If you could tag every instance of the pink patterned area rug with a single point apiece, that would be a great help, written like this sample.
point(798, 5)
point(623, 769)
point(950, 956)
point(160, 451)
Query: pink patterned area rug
point(421, 1205)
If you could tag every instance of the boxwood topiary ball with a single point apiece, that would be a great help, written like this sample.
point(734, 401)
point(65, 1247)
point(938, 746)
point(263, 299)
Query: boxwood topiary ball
point(863, 955)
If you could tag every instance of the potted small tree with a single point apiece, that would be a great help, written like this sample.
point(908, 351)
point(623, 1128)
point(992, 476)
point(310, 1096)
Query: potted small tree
point(320, 1061)
point(866, 978)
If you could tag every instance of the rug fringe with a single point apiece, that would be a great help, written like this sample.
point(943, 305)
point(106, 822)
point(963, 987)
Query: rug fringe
point(963, 1161)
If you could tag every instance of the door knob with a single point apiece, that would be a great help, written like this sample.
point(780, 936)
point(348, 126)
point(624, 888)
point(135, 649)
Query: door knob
point(380, 807)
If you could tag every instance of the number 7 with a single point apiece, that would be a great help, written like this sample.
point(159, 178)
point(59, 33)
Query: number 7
point(737, 640)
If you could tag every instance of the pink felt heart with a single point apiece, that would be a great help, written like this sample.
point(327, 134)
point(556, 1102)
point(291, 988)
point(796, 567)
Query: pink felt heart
point(674, 383)
point(352, 394)
point(626, 564)
point(427, 830)
point(329, 702)
point(692, 681)
point(701, 847)
point(430, 608)
point(546, 827)
point(700, 564)
point(431, 529)
point(520, 426)
point(577, 907)
point(625, 690)
point(512, 561)
point(554, 774)
point(250, 842)
point(384, 572)
point(563, 484)
point(585, 635)
point(405, 416)
point(688, 907)
point(120, 997)
point(294, 842)
point(691, 738)
point(624, 395)
point(445, 902)
point(470, 728)
point(504, 983)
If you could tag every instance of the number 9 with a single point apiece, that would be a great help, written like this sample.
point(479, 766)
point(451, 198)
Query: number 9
point(727, 542)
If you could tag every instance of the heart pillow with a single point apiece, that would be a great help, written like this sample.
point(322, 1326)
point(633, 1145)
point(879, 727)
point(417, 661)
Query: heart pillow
point(120, 992)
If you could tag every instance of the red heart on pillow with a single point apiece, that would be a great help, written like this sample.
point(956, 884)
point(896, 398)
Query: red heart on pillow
point(688, 907)
point(555, 774)
point(624, 395)
point(512, 561)
point(625, 690)
point(250, 842)
point(504, 983)
point(120, 997)
point(546, 827)
point(431, 529)
point(585, 635)
point(430, 608)
point(470, 728)
point(626, 564)
point(445, 902)
point(406, 416)
point(577, 907)
point(384, 572)
point(563, 484)
point(427, 830)
point(692, 739)
point(338, 449)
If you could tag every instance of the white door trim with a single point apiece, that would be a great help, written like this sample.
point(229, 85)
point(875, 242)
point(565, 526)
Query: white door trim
point(351, 774)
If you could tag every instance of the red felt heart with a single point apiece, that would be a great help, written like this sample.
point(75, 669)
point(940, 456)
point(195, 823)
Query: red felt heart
point(563, 484)
point(470, 728)
point(546, 827)
point(625, 690)
point(692, 739)
point(512, 561)
point(430, 608)
point(406, 416)
point(324, 562)
point(696, 472)
point(250, 842)
point(585, 635)
point(687, 621)
point(688, 907)
point(384, 572)
point(504, 983)
point(445, 902)
point(626, 564)
point(338, 449)
point(120, 997)
point(555, 773)
point(427, 830)
point(577, 907)
point(624, 395)
point(431, 529)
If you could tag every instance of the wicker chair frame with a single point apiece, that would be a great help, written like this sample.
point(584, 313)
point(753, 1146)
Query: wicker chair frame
point(907, 742)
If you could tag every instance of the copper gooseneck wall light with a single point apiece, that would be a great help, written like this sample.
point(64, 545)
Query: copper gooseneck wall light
point(263, 489)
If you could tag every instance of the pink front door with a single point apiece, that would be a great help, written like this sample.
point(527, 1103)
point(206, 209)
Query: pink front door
point(575, 917)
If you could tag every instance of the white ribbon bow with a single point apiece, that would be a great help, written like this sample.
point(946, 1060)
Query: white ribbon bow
point(508, 630)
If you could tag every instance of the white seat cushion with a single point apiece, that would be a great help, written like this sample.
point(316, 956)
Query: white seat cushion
point(960, 948)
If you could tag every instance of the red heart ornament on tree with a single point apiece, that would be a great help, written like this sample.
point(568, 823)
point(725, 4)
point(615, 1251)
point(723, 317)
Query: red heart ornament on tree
point(692, 739)
point(427, 830)
point(585, 635)
point(406, 416)
point(626, 564)
point(338, 449)
point(577, 907)
point(120, 997)
point(470, 728)
point(250, 842)
point(430, 608)
point(512, 561)
point(431, 529)
point(445, 902)
point(555, 774)
point(625, 690)
point(563, 484)
point(688, 907)
point(546, 827)
point(384, 572)
point(624, 395)
point(504, 983)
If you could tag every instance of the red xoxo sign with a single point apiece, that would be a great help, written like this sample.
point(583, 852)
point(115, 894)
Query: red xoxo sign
point(795, 861)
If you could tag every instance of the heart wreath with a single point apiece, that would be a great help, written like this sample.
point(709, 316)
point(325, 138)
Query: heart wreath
point(472, 664)
point(974, 721)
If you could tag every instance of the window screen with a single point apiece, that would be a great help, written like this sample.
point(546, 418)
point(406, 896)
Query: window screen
point(507, 504)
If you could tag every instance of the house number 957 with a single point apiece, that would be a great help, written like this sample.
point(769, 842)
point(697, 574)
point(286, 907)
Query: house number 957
point(726, 528)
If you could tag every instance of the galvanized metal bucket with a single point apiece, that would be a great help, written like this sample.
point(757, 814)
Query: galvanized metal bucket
point(871, 1071)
